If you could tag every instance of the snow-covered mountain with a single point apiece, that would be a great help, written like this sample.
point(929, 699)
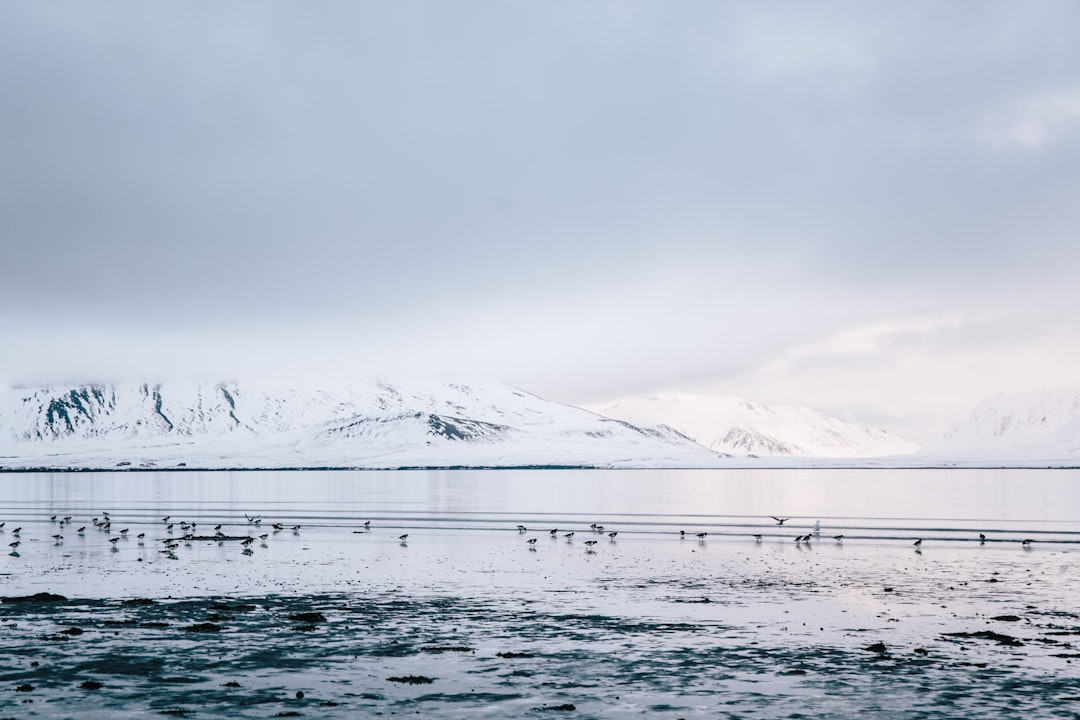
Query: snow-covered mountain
point(730, 424)
point(1042, 424)
point(336, 424)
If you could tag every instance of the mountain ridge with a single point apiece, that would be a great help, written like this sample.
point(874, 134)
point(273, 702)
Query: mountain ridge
point(368, 424)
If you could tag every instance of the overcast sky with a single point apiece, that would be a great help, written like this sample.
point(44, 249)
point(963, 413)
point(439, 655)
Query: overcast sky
point(868, 208)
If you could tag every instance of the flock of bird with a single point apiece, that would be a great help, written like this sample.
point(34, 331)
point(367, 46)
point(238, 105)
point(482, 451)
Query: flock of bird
point(170, 543)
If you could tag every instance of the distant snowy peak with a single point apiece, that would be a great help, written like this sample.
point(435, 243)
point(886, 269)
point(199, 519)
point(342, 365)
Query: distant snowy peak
point(1043, 417)
point(345, 423)
point(730, 424)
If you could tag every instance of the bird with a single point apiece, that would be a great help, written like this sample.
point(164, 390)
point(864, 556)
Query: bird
point(838, 538)
point(593, 526)
point(15, 544)
point(81, 530)
point(779, 520)
point(2, 524)
point(982, 539)
point(16, 531)
point(569, 535)
point(141, 536)
point(682, 533)
point(169, 527)
point(918, 543)
point(281, 526)
point(114, 540)
point(1026, 542)
point(612, 534)
point(58, 538)
point(367, 523)
point(522, 528)
point(218, 526)
point(702, 535)
point(166, 518)
point(590, 543)
point(53, 518)
point(757, 537)
point(554, 532)
point(404, 537)
point(247, 541)
point(531, 541)
point(124, 531)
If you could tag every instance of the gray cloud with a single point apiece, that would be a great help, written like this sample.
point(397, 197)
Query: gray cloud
point(679, 191)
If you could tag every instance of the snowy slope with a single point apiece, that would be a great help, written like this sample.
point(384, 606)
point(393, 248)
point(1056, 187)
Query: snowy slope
point(338, 424)
point(1041, 424)
point(729, 424)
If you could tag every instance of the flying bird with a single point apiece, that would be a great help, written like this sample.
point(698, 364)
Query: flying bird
point(779, 520)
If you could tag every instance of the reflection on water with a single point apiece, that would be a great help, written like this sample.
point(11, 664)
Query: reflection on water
point(853, 501)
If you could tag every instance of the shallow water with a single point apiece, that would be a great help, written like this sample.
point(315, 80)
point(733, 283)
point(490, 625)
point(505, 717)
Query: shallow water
point(644, 624)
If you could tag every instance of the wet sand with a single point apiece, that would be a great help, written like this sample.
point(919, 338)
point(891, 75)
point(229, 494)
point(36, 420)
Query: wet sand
point(332, 622)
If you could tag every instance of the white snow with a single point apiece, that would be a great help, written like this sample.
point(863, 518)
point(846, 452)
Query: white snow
point(335, 424)
point(1042, 425)
point(730, 424)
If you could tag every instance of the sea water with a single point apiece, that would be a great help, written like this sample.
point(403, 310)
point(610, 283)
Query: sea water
point(340, 617)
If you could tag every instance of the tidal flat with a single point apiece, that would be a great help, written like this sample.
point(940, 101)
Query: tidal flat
point(466, 617)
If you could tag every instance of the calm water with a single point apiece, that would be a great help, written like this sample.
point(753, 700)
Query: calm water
point(646, 623)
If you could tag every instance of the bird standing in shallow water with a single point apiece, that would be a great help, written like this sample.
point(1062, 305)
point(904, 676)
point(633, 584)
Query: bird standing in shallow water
point(982, 539)
point(531, 541)
point(838, 538)
point(404, 537)
point(918, 543)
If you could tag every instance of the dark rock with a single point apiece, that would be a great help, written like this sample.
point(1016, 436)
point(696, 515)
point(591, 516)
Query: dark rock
point(308, 617)
point(565, 707)
point(878, 647)
point(921, 651)
point(25, 687)
point(411, 679)
point(203, 628)
point(72, 631)
point(91, 685)
point(990, 635)
point(41, 597)
point(1006, 618)
point(514, 655)
point(137, 602)
point(299, 694)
